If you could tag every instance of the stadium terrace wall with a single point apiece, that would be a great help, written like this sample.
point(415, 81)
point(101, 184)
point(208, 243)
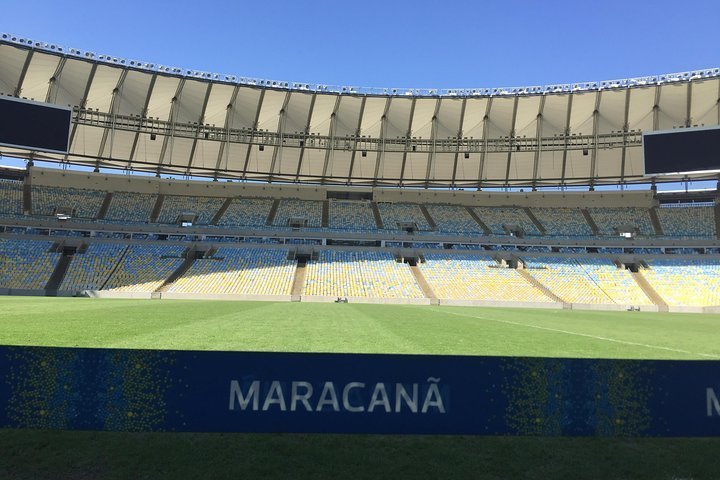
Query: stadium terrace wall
point(205, 391)
point(139, 184)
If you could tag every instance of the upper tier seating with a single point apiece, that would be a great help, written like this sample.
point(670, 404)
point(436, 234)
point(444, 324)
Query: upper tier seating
point(477, 277)
point(453, 219)
point(246, 212)
point(246, 271)
point(685, 282)
point(497, 217)
point(587, 280)
point(26, 264)
point(351, 215)
point(131, 207)
point(687, 220)
point(82, 203)
point(204, 208)
point(11, 197)
point(393, 214)
point(90, 270)
point(609, 220)
point(308, 211)
point(360, 274)
point(144, 268)
point(566, 222)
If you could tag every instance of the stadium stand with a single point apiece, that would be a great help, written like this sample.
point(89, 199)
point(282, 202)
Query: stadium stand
point(131, 207)
point(563, 222)
point(246, 212)
point(339, 273)
point(91, 269)
point(687, 220)
point(11, 192)
point(454, 219)
point(203, 208)
point(144, 268)
point(82, 203)
point(586, 280)
point(351, 215)
point(239, 271)
point(26, 264)
point(307, 212)
point(476, 277)
point(497, 218)
point(611, 220)
point(685, 282)
point(395, 214)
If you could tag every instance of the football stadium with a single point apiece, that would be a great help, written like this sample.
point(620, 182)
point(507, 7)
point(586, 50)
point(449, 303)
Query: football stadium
point(172, 225)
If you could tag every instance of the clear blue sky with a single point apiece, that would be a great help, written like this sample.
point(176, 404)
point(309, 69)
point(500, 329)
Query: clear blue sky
point(443, 44)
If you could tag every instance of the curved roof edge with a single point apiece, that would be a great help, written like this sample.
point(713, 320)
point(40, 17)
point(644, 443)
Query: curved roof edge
point(9, 38)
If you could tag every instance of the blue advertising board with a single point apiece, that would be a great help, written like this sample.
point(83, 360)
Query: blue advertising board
point(144, 390)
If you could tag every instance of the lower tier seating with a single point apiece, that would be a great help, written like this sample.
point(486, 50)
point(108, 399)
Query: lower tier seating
point(144, 268)
point(477, 277)
point(91, 269)
point(360, 274)
point(26, 264)
point(685, 282)
point(246, 271)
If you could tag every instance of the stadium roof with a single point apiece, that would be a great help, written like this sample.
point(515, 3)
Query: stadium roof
point(145, 117)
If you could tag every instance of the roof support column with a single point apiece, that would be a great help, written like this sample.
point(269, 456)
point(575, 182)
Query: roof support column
point(433, 143)
point(596, 128)
point(408, 134)
point(330, 152)
point(383, 133)
point(225, 146)
point(626, 128)
point(305, 136)
point(201, 120)
point(512, 141)
point(254, 133)
point(538, 141)
point(357, 135)
point(485, 129)
point(458, 137)
point(277, 152)
point(566, 140)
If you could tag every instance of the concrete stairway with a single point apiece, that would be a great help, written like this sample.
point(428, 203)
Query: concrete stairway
point(58, 275)
point(105, 206)
point(656, 221)
point(478, 221)
point(378, 218)
point(717, 219)
point(590, 221)
point(181, 270)
point(156, 209)
point(221, 212)
point(645, 286)
point(298, 286)
point(27, 198)
point(548, 293)
point(534, 219)
point(325, 213)
point(428, 218)
point(424, 286)
point(273, 211)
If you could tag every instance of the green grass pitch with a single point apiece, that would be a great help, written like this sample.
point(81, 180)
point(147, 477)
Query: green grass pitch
point(306, 327)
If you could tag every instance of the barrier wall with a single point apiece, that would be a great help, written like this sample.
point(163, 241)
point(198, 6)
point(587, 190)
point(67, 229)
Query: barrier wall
point(143, 390)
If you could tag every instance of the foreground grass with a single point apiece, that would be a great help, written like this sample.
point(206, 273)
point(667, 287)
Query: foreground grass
point(356, 328)
point(105, 455)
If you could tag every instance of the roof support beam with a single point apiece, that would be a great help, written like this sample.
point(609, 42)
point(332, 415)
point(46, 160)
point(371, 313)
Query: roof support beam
point(23, 73)
point(169, 141)
point(83, 104)
point(143, 115)
point(656, 109)
point(52, 89)
point(357, 135)
point(457, 142)
point(688, 113)
point(596, 128)
point(483, 152)
point(433, 142)
point(277, 152)
point(305, 139)
point(408, 134)
point(383, 132)
point(567, 139)
point(201, 120)
point(330, 152)
point(225, 146)
point(512, 140)
point(538, 140)
point(626, 128)
point(254, 129)
point(110, 133)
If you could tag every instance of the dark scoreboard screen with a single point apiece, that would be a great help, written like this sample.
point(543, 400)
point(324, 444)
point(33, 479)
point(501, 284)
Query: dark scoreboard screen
point(35, 126)
point(682, 150)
